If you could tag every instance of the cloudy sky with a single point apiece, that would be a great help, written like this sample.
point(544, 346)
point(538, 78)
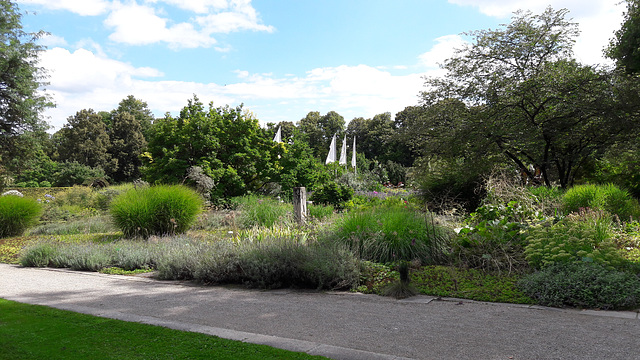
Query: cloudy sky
point(281, 58)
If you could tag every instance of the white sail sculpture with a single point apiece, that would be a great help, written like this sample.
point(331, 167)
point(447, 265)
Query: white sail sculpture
point(343, 152)
point(331, 157)
point(278, 137)
point(353, 157)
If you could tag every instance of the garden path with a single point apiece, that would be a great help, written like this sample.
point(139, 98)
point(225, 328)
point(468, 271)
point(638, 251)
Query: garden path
point(334, 324)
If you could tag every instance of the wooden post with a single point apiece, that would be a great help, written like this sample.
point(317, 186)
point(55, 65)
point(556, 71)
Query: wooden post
point(300, 205)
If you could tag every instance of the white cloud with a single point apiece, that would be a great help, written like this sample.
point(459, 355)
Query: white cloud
point(140, 25)
point(197, 6)
point(83, 79)
point(504, 8)
point(52, 40)
point(80, 7)
point(441, 51)
point(597, 19)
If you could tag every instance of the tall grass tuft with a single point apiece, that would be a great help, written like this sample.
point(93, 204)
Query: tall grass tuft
point(262, 211)
point(157, 210)
point(17, 214)
point(606, 197)
point(391, 233)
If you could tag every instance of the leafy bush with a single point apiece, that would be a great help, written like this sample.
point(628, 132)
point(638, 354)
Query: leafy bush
point(493, 239)
point(585, 236)
point(74, 173)
point(17, 214)
point(157, 210)
point(583, 285)
point(607, 197)
point(333, 194)
point(82, 196)
point(390, 233)
point(261, 211)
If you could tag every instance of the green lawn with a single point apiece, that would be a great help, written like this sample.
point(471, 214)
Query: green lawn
point(39, 332)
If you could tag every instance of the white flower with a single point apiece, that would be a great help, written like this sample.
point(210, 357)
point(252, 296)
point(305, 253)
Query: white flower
point(13, 192)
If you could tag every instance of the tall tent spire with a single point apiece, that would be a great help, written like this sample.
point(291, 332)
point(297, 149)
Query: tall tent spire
point(353, 157)
point(278, 137)
point(343, 152)
point(331, 157)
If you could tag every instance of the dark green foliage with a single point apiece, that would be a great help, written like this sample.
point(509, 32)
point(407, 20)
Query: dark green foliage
point(391, 233)
point(319, 130)
point(583, 285)
point(332, 193)
point(606, 197)
point(17, 214)
point(157, 210)
point(624, 47)
point(21, 102)
point(226, 143)
point(528, 101)
point(127, 142)
point(620, 166)
point(85, 139)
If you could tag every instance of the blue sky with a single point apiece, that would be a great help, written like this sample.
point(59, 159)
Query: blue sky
point(280, 58)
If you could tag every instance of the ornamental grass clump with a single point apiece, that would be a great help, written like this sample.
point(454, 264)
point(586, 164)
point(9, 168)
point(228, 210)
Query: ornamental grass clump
point(606, 197)
point(157, 210)
point(17, 214)
point(262, 211)
point(391, 233)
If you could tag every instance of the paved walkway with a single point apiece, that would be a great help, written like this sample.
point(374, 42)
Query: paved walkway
point(336, 325)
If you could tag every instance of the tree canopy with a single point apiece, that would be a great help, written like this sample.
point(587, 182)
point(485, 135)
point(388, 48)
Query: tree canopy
point(625, 46)
point(527, 99)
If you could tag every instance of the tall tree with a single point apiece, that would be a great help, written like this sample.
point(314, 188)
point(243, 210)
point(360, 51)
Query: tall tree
point(226, 143)
point(625, 46)
point(84, 139)
point(139, 109)
point(531, 102)
point(20, 77)
point(126, 145)
point(319, 130)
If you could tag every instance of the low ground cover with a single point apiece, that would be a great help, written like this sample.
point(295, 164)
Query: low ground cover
point(38, 332)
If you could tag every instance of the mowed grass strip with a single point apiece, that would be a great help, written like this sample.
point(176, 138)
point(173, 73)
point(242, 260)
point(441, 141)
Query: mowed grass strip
point(40, 332)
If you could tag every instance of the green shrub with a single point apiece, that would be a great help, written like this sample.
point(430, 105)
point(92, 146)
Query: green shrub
point(332, 193)
point(17, 214)
point(583, 285)
point(493, 239)
point(390, 233)
point(45, 183)
point(157, 210)
point(585, 236)
point(607, 197)
point(261, 211)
